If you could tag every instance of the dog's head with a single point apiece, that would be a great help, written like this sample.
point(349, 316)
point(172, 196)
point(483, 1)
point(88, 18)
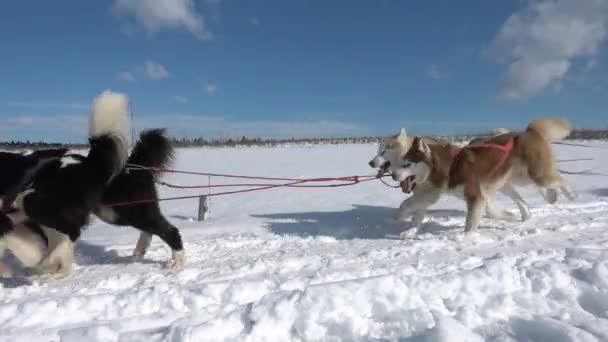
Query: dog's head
point(414, 166)
point(390, 152)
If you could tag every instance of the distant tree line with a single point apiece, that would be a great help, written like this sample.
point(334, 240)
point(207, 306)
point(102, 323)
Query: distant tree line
point(36, 145)
point(246, 141)
point(578, 134)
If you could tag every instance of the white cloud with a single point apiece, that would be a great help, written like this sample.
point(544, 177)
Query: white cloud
point(435, 73)
point(150, 69)
point(155, 15)
point(180, 99)
point(126, 76)
point(211, 88)
point(155, 71)
point(542, 42)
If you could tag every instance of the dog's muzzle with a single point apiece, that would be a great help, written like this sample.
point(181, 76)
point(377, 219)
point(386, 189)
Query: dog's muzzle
point(408, 184)
point(383, 169)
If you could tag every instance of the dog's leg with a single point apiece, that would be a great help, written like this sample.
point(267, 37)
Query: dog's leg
point(172, 237)
point(567, 190)
point(60, 259)
point(509, 190)
point(159, 226)
point(143, 243)
point(496, 213)
point(6, 228)
point(416, 206)
point(475, 204)
point(5, 270)
point(419, 202)
point(27, 246)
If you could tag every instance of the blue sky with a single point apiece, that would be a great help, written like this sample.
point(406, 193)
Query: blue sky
point(275, 68)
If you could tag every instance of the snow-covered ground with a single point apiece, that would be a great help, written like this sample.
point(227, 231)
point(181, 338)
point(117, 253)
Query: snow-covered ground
point(325, 265)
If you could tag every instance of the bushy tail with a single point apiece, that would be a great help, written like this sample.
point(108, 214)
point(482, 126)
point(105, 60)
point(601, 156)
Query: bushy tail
point(109, 134)
point(551, 129)
point(152, 150)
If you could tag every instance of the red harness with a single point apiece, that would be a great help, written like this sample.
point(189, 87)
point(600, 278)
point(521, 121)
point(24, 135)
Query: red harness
point(506, 150)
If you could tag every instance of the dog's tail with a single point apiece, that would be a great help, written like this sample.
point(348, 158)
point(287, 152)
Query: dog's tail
point(153, 150)
point(551, 129)
point(109, 135)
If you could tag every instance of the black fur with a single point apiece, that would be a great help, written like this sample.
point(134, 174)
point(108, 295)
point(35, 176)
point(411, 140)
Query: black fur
point(63, 196)
point(17, 170)
point(153, 150)
point(6, 225)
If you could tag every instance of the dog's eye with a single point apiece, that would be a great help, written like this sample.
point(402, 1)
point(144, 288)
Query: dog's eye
point(383, 152)
point(406, 165)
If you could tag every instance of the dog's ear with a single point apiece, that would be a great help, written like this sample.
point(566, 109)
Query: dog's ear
point(422, 147)
point(402, 135)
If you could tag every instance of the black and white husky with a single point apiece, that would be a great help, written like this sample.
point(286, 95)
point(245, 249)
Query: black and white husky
point(153, 152)
point(65, 191)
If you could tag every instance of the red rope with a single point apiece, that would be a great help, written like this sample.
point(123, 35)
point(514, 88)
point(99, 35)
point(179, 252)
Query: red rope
point(292, 183)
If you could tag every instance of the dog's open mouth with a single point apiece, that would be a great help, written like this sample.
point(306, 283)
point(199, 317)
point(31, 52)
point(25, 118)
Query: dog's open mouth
point(408, 184)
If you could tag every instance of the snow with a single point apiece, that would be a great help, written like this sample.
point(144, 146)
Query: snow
point(325, 264)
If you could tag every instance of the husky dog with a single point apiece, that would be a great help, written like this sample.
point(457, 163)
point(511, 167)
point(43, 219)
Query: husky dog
point(391, 152)
point(152, 152)
point(477, 173)
point(65, 191)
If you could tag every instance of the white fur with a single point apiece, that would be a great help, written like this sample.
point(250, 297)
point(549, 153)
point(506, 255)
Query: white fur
point(551, 129)
point(143, 243)
point(19, 216)
point(178, 260)
point(69, 160)
point(107, 214)
point(27, 246)
point(60, 258)
point(110, 115)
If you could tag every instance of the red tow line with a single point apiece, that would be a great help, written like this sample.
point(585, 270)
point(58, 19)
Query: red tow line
point(288, 183)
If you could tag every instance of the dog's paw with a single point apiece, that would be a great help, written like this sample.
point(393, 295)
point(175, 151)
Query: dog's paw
point(550, 196)
point(178, 261)
point(408, 234)
point(571, 195)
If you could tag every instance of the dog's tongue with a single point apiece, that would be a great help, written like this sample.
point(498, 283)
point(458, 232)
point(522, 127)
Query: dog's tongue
point(408, 184)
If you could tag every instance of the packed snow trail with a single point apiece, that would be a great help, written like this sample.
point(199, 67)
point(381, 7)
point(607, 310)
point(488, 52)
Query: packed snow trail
point(325, 265)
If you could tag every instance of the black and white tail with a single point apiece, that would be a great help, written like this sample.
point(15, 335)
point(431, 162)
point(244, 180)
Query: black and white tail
point(109, 134)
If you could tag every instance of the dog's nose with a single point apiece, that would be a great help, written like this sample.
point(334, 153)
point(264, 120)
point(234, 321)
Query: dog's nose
point(371, 164)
